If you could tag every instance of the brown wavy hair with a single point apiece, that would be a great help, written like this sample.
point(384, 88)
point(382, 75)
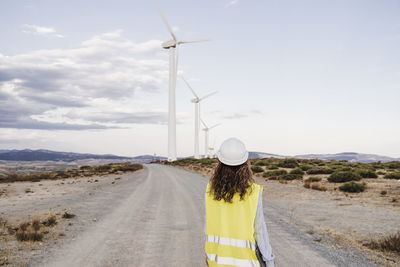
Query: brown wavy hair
point(228, 180)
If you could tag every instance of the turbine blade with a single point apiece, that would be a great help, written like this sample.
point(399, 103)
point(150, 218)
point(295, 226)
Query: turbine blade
point(193, 41)
point(214, 126)
point(191, 89)
point(210, 94)
point(165, 20)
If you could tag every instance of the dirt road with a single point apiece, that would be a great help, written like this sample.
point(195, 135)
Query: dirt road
point(155, 218)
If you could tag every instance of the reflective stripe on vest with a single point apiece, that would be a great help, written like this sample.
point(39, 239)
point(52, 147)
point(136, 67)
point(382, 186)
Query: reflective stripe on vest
point(230, 229)
point(232, 261)
point(231, 242)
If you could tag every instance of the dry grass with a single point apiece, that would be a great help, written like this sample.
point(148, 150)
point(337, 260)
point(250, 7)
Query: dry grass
point(67, 215)
point(389, 243)
point(83, 171)
point(51, 220)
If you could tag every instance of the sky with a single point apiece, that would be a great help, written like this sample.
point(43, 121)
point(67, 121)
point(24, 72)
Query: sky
point(293, 77)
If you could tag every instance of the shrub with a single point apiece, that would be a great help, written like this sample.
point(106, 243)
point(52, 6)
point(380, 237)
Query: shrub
point(392, 165)
point(67, 215)
point(318, 186)
point(207, 162)
point(272, 167)
point(305, 167)
point(380, 173)
point(129, 167)
point(256, 169)
point(297, 171)
point(276, 173)
point(383, 192)
point(261, 163)
point(367, 174)
point(291, 176)
point(389, 243)
point(344, 176)
point(392, 175)
point(353, 187)
point(307, 184)
point(50, 220)
point(320, 170)
point(288, 163)
point(314, 179)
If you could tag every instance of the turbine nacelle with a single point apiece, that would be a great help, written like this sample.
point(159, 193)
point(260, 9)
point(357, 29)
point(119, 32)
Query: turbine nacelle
point(169, 44)
point(195, 100)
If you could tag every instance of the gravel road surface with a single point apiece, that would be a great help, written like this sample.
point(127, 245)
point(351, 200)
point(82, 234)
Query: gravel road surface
point(155, 218)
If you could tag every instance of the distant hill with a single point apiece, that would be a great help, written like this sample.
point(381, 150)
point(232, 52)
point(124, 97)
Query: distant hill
point(49, 155)
point(349, 156)
point(43, 155)
point(254, 155)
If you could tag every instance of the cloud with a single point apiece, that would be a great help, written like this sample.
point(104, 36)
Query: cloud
point(83, 87)
point(40, 30)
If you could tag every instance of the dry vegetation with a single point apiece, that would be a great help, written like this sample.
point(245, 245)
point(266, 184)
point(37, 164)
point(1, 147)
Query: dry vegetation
point(29, 234)
point(83, 171)
point(322, 175)
point(375, 183)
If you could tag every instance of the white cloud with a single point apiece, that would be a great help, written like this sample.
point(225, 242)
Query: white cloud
point(81, 88)
point(40, 30)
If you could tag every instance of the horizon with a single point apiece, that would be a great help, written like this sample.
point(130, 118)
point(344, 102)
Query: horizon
point(165, 156)
point(292, 78)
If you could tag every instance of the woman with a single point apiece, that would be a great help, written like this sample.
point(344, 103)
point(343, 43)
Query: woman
point(236, 234)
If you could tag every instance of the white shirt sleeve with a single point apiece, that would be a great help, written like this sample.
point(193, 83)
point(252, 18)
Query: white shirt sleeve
point(261, 234)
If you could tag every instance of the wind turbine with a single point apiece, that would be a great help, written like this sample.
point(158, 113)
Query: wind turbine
point(206, 130)
point(173, 68)
point(196, 100)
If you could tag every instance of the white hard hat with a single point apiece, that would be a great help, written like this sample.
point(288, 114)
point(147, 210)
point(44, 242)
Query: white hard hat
point(232, 152)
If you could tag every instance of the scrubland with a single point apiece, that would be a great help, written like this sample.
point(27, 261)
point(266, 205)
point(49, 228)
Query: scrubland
point(356, 203)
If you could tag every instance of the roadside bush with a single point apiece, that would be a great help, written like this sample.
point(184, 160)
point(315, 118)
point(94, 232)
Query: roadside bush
point(103, 168)
point(314, 179)
point(367, 174)
point(297, 171)
point(320, 170)
point(389, 243)
point(318, 186)
point(341, 176)
point(208, 162)
point(380, 173)
point(50, 220)
point(288, 163)
point(129, 167)
point(392, 175)
point(291, 176)
point(353, 187)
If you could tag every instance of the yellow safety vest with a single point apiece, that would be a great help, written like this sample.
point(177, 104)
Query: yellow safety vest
point(230, 229)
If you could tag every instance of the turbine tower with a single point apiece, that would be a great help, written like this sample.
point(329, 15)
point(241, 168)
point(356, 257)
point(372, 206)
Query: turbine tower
point(196, 100)
point(173, 68)
point(206, 131)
